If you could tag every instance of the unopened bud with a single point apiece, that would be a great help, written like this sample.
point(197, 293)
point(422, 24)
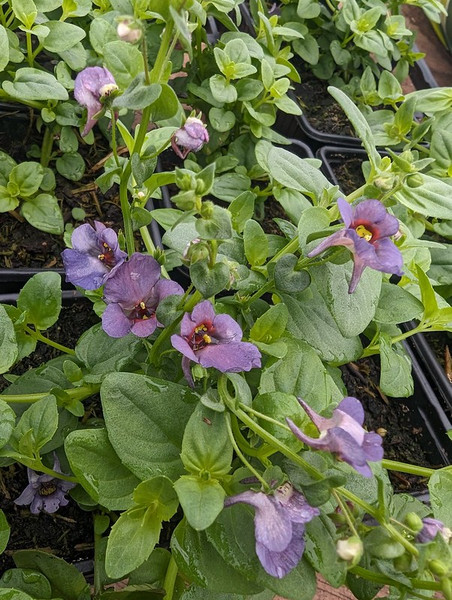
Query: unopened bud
point(129, 30)
point(384, 183)
point(207, 209)
point(350, 550)
point(414, 522)
point(437, 567)
point(414, 181)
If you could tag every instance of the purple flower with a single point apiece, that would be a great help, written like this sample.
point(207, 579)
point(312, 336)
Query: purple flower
point(279, 522)
point(366, 234)
point(92, 84)
point(44, 492)
point(213, 341)
point(133, 293)
point(431, 528)
point(94, 257)
point(189, 138)
point(343, 434)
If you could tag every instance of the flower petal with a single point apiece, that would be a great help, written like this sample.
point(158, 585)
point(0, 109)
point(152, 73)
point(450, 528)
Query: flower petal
point(279, 564)
point(352, 407)
point(230, 358)
point(374, 213)
point(144, 327)
point(84, 270)
point(225, 329)
point(26, 496)
point(203, 313)
point(114, 321)
point(85, 239)
point(389, 257)
point(180, 344)
point(346, 211)
point(339, 238)
point(133, 281)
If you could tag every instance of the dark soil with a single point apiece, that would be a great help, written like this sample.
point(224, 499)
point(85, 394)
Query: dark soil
point(21, 245)
point(441, 344)
point(348, 171)
point(405, 437)
point(68, 533)
point(323, 113)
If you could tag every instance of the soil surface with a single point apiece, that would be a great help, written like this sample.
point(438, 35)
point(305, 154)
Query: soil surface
point(21, 245)
point(348, 170)
point(405, 438)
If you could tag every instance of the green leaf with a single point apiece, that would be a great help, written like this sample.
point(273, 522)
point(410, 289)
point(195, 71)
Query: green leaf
point(429, 199)
point(4, 531)
point(440, 488)
point(359, 123)
point(7, 422)
point(351, 312)
point(135, 533)
point(166, 106)
point(221, 120)
point(396, 305)
point(242, 209)
point(288, 277)
point(102, 354)
point(222, 91)
point(4, 48)
point(138, 95)
point(44, 213)
point(41, 418)
point(40, 298)
point(136, 408)
point(62, 36)
point(312, 219)
point(206, 446)
point(217, 226)
point(34, 84)
point(71, 165)
point(7, 202)
point(26, 580)
point(278, 406)
point(271, 325)
point(427, 295)
point(27, 176)
point(66, 581)
point(310, 320)
point(321, 551)
point(8, 343)
point(124, 61)
point(209, 280)
point(99, 469)
point(25, 11)
point(202, 500)
point(256, 243)
point(199, 561)
point(395, 377)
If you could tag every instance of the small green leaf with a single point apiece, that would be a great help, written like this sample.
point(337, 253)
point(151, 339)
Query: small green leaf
point(202, 500)
point(395, 377)
point(41, 418)
point(209, 280)
point(44, 213)
point(8, 343)
point(40, 298)
point(4, 531)
point(256, 243)
point(271, 325)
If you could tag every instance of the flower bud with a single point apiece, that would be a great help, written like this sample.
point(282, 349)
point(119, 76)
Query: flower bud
point(384, 182)
point(437, 567)
point(350, 550)
point(414, 522)
point(207, 209)
point(414, 181)
point(189, 138)
point(129, 30)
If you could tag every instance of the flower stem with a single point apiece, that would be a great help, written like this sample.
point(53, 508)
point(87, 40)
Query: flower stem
point(41, 338)
point(379, 578)
point(46, 148)
point(395, 465)
point(346, 513)
point(260, 415)
point(356, 194)
point(242, 456)
point(55, 474)
point(170, 579)
point(80, 393)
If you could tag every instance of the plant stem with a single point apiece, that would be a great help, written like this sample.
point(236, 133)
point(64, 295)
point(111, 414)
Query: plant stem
point(80, 393)
point(243, 443)
point(242, 456)
point(41, 338)
point(170, 579)
point(379, 578)
point(394, 465)
point(343, 506)
point(46, 148)
point(375, 348)
point(356, 194)
point(29, 49)
point(43, 469)
point(260, 415)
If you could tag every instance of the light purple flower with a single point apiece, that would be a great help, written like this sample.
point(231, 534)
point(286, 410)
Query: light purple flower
point(366, 234)
point(92, 84)
point(94, 256)
point(189, 138)
point(133, 294)
point(213, 341)
point(431, 528)
point(279, 525)
point(44, 492)
point(344, 435)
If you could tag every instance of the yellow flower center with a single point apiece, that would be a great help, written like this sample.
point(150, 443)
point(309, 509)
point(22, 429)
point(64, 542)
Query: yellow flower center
point(364, 233)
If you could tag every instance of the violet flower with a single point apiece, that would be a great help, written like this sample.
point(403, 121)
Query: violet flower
point(44, 492)
point(133, 294)
point(92, 84)
point(367, 229)
point(431, 528)
point(279, 525)
point(213, 341)
point(94, 256)
point(344, 435)
point(189, 138)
